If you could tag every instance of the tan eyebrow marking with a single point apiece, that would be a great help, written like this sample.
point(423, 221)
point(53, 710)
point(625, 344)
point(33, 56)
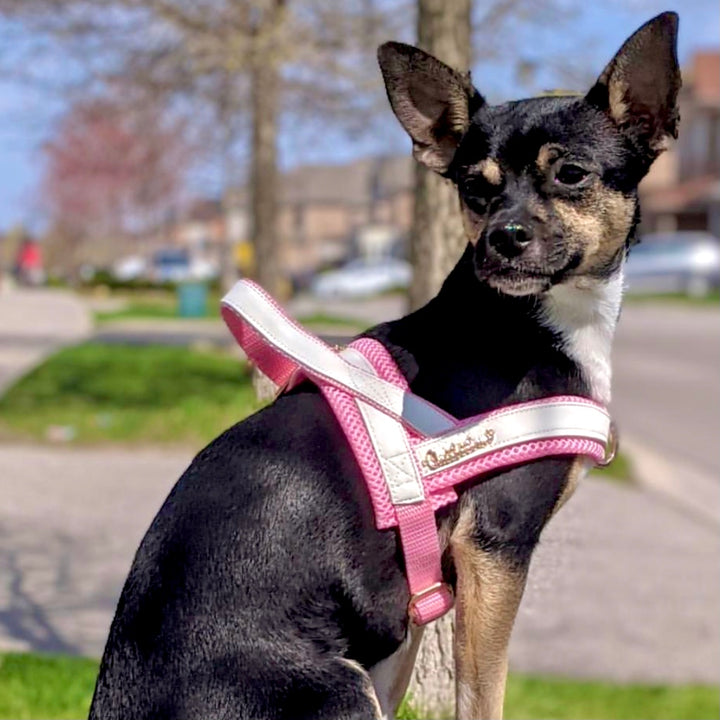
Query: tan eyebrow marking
point(489, 169)
point(547, 153)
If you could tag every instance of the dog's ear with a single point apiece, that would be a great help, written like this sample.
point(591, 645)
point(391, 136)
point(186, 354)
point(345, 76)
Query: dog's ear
point(639, 87)
point(433, 102)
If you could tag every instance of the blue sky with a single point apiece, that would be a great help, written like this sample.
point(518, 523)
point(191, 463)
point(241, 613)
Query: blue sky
point(585, 40)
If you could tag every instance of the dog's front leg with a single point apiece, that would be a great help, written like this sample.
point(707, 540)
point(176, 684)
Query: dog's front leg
point(488, 593)
point(391, 676)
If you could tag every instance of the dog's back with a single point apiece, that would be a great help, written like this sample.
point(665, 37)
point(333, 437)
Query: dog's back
point(248, 589)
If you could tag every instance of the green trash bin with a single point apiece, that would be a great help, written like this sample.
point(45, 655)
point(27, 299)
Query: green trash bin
point(192, 299)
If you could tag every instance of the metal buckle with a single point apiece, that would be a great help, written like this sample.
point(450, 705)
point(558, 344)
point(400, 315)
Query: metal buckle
point(611, 449)
point(412, 605)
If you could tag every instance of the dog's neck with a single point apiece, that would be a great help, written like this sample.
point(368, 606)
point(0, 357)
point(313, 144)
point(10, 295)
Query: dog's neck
point(584, 315)
point(472, 349)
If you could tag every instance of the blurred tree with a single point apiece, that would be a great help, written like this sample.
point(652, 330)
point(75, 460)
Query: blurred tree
point(236, 58)
point(436, 242)
point(10, 245)
point(268, 31)
point(447, 31)
point(437, 239)
point(114, 169)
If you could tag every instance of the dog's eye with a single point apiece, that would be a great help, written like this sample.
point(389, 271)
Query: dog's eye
point(474, 196)
point(475, 203)
point(570, 174)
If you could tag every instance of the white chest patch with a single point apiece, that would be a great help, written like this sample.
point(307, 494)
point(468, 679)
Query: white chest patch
point(584, 314)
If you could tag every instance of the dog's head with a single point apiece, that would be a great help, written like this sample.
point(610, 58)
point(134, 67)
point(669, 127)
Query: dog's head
point(548, 186)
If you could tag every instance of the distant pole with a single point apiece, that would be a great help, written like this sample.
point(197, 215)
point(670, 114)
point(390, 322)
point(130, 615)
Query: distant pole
point(265, 81)
point(437, 239)
point(228, 261)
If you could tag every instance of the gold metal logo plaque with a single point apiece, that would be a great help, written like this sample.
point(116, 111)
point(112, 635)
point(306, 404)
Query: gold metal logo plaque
point(456, 451)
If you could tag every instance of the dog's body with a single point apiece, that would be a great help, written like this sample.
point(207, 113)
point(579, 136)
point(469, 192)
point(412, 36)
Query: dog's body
point(263, 589)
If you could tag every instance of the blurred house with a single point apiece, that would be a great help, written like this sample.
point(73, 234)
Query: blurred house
point(330, 212)
point(682, 191)
point(202, 227)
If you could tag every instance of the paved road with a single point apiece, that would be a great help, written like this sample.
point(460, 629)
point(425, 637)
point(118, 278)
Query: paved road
point(666, 387)
point(624, 586)
point(33, 323)
point(70, 522)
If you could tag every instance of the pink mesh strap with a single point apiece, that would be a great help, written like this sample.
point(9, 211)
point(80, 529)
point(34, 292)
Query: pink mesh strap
point(447, 453)
point(430, 597)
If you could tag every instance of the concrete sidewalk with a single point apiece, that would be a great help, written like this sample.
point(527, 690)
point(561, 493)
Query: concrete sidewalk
point(624, 585)
point(34, 323)
point(178, 331)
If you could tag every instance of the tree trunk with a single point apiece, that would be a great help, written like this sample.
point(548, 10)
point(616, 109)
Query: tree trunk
point(265, 82)
point(228, 261)
point(432, 687)
point(436, 243)
point(437, 238)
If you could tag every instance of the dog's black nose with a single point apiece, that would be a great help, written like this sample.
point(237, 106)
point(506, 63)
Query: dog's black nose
point(509, 239)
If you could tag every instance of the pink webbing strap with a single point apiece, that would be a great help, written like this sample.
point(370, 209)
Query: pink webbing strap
point(278, 367)
point(430, 597)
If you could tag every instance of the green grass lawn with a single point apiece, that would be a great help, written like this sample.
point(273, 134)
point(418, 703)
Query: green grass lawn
point(37, 686)
point(320, 319)
point(547, 697)
point(619, 470)
point(153, 305)
point(163, 305)
point(118, 393)
point(166, 309)
point(142, 311)
point(533, 697)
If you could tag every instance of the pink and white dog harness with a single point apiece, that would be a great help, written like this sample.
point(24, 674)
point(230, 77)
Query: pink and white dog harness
point(411, 452)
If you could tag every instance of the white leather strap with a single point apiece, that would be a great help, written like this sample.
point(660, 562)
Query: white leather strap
point(254, 307)
point(391, 445)
point(539, 420)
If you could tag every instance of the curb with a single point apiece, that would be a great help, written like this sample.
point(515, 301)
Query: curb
point(689, 489)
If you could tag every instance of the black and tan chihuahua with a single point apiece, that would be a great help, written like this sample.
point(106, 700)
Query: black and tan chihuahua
point(262, 588)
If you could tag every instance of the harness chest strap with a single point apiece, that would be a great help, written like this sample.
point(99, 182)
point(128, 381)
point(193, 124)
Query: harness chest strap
point(411, 453)
point(548, 427)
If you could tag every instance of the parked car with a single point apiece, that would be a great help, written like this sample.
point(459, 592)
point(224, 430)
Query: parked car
point(681, 262)
point(362, 277)
point(129, 268)
point(177, 265)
